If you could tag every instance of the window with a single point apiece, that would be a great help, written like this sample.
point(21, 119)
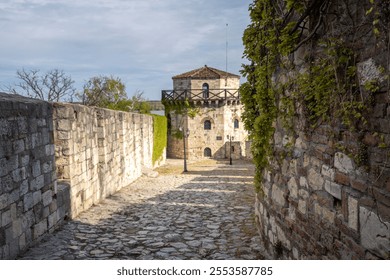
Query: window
point(207, 152)
point(207, 125)
point(205, 90)
point(236, 123)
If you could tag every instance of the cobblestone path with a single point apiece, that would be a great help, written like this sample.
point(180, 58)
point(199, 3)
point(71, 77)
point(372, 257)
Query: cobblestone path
point(206, 213)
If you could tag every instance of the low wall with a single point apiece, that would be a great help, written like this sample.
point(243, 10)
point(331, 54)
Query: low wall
point(99, 151)
point(57, 160)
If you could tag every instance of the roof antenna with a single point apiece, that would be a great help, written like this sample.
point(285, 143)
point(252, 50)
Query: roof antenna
point(226, 53)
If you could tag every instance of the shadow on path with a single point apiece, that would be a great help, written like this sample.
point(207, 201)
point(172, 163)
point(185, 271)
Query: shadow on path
point(207, 213)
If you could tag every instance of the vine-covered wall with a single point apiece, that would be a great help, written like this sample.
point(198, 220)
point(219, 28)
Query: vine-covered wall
point(317, 107)
point(160, 130)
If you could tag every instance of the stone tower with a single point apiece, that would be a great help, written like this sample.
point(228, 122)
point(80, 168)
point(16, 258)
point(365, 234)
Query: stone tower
point(217, 130)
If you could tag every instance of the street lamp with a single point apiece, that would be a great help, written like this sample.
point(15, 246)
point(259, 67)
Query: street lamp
point(230, 138)
point(185, 135)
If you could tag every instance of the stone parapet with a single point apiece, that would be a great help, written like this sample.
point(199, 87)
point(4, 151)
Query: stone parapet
point(59, 159)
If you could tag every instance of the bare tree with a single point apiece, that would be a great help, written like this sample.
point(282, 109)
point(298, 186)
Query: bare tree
point(52, 86)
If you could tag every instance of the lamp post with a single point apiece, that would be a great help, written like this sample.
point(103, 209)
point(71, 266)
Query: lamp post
point(230, 138)
point(185, 135)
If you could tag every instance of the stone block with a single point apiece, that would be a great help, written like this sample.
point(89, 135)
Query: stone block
point(24, 160)
point(370, 140)
point(375, 233)
point(333, 189)
point(14, 196)
point(41, 122)
point(53, 220)
point(315, 180)
point(3, 167)
point(63, 125)
point(63, 135)
point(47, 167)
point(327, 172)
point(353, 213)
point(343, 163)
point(304, 194)
point(293, 188)
point(6, 218)
point(18, 146)
point(16, 228)
point(39, 229)
point(302, 206)
point(359, 185)
point(62, 112)
point(49, 150)
point(22, 242)
point(38, 183)
point(19, 174)
point(47, 197)
point(384, 125)
point(36, 168)
point(341, 178)
point(22, 125)
point(28, 201)
point(35, 140)
point(7, 184)
point(37, 197)
point(12, 163)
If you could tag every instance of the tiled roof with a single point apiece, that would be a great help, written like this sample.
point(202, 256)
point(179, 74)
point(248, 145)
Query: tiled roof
point(205, 73)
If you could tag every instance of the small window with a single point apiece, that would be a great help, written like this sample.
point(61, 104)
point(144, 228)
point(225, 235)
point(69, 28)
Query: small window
point(236, 124)
point(207, 125)
point(205, 90)
point(207, 152)
point(219, 138)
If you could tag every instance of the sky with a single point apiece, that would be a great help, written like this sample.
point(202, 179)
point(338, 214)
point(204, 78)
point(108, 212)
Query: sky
point(142, 42)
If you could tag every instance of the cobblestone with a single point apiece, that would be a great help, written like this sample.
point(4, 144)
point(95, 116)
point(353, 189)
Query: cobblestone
point(207, 213)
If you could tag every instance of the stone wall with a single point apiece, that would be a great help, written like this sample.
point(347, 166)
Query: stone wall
point(331, 197)
point(57, 160)
point(31, 204)
point(99, 151)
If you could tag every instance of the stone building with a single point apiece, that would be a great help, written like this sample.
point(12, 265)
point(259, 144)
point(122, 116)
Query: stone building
point(216, 130)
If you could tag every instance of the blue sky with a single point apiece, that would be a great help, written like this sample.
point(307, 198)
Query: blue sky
point(143, 42)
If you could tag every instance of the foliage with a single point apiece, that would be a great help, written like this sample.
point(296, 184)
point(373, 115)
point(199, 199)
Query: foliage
point(322, 84)
point(103, 91)
point(135, 104)
point(179, 107)
point(110, 92)
point(159, 136)
point(52, 86)
point(139, 104)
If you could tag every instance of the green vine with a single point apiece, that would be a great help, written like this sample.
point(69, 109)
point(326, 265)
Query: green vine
point(159, 137)
point(179, 107)
point(322, 83)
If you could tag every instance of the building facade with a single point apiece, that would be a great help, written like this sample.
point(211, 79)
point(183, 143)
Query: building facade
point(216, 130)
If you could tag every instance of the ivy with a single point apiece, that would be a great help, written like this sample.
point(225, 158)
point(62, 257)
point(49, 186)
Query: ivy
point(179, 107)
point(323, 85)
point(159, 137)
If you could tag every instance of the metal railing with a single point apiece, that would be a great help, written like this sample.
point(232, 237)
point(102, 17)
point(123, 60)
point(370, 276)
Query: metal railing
point(200, 95)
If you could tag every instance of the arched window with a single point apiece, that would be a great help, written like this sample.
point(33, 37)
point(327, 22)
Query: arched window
point(207, 152)
point(236, 123)
point(205, 90)
point(207, 125)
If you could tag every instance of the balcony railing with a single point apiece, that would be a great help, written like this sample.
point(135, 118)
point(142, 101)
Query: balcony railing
point(200, 95)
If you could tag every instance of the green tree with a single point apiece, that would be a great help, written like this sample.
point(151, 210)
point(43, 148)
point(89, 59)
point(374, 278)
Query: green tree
point(103, 91)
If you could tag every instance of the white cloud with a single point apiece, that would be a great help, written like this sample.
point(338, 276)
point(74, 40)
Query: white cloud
point(145, 42)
